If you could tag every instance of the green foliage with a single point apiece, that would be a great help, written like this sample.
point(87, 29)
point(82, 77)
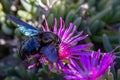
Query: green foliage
point(22, 73)
point(106, 43)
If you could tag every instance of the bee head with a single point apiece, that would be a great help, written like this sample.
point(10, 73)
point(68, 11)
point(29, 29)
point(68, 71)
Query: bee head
point(47, 37)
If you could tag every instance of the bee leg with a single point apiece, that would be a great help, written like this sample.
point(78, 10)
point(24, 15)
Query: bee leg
point(35, 65)
point(38, 66)
point(29, 58)
point(36, 56)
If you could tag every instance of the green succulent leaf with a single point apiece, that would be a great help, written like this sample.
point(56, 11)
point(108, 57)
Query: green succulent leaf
point(118, 74)
point(29, 5)
point(106, 43)
point(119, 36)
point(12, 78)
point(6, 29)
point(77, 21)
point(97, 26)
point(100, 15)
point(25, 15)
point(69, 17)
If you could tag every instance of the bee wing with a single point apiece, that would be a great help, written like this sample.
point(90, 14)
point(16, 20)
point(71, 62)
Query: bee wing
point(50, 52)
point(25, 28)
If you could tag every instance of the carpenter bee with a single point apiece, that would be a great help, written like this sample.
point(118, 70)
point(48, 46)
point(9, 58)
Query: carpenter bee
point(46, 43)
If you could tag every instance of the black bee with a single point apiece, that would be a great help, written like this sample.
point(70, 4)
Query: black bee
point(38, 42)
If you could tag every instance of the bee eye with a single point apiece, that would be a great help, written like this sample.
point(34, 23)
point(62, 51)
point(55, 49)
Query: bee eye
point(47, 37)
point(46, 40)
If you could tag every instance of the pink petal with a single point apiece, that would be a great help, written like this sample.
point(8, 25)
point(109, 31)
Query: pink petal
point(31, 66)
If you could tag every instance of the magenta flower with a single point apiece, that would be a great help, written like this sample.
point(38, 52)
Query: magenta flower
point(93, 67)
point(68, 47)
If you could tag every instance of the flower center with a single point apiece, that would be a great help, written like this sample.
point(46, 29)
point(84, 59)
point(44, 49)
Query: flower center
point(63, 51)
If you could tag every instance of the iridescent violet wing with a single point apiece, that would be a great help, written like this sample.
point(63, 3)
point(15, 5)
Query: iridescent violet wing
point(50, 52)
point(25, 28)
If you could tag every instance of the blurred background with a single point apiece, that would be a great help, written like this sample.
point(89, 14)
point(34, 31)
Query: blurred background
point(98, 18)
